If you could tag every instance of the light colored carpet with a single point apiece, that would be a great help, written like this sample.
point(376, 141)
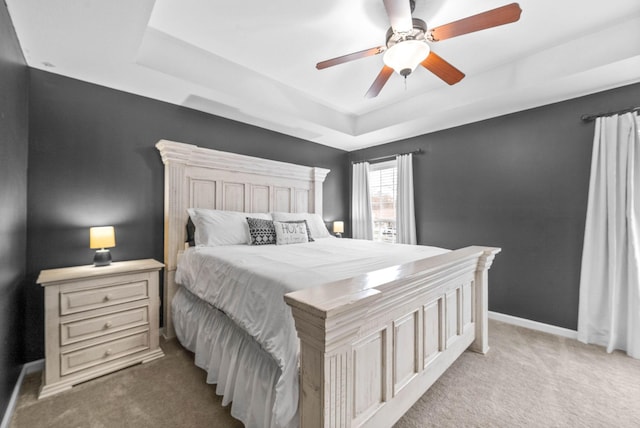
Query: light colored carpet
point(532, 379)
point(528, 379)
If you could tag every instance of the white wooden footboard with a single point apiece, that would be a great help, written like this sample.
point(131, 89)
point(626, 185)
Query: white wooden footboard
point(371, 345)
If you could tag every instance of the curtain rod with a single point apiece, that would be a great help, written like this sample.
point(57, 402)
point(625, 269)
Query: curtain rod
point(415, 152)
point(590, 117)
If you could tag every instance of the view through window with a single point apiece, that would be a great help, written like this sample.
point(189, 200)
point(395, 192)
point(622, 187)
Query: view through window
point(382, 188)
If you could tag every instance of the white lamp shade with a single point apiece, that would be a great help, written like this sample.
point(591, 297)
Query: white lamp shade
point(102, 237)
point(406, 55)
point(338, 227)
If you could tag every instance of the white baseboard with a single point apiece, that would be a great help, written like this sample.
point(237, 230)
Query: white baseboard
point(28, 368)
point(534, 325)
point(33, 366)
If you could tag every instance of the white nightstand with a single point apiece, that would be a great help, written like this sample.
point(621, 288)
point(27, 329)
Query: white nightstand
point(98, 320)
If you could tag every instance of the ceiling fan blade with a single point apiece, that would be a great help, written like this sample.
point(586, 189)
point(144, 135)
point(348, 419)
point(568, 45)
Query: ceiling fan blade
point(491, 18)
point(399, 12)
point(441, 68)
point(349, 57)
point(377, 85)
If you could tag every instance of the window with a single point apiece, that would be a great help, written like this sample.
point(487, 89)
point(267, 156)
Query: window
point(382, 188)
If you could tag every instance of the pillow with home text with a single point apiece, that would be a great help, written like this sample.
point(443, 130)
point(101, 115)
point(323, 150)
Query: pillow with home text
point(317, 227)
point(292, 232)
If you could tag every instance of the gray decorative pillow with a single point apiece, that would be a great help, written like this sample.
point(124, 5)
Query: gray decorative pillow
point(261, 231)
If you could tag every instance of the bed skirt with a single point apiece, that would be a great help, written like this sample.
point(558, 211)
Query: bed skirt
point(245, 375)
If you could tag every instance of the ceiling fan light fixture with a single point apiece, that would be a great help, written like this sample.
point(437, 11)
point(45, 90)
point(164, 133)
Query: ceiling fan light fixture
point(405, 56)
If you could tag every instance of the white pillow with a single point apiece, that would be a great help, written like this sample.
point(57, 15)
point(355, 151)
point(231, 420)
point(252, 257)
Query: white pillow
point(216, 227)
point(315, 222)
point(290, 233)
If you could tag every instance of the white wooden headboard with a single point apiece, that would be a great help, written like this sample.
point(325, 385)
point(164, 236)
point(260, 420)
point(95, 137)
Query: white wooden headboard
point(195, 177)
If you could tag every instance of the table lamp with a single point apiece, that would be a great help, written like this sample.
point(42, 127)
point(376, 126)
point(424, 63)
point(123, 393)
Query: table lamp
point(338, 228)
point(102, 238)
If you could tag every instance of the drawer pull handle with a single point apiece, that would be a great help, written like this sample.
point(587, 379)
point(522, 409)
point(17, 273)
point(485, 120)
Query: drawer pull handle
point(108, 324)
point(107, 352)
point(108, 297)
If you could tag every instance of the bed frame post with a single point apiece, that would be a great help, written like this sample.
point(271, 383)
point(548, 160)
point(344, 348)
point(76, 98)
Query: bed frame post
point(175, 157)
point(319, 175)
point(481, 342)
point(326, 339)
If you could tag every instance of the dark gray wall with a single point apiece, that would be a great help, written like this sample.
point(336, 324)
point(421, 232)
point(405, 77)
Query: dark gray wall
point(92, 161)
point(519, 182)
point(13, 201)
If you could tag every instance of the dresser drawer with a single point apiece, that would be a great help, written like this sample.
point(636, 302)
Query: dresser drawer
point(72, 301)
point(84, 358)
point(75, 331)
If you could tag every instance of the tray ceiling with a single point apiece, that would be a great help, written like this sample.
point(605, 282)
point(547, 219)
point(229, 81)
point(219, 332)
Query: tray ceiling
point(254, 61)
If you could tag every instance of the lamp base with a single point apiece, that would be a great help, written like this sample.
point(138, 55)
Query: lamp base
point(102, 258)
point(338, 235)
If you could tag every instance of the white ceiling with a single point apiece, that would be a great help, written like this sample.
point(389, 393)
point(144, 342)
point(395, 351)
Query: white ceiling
point(254, 60)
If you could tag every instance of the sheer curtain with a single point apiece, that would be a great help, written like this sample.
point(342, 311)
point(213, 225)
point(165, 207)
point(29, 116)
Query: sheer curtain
point(361, 219)
point(405, 212)
point(609, 310)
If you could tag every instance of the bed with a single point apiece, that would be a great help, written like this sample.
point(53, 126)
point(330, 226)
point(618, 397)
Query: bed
point(366, 339)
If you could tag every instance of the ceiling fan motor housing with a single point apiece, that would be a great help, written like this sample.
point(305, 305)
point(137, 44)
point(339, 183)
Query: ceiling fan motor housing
point(419, 32)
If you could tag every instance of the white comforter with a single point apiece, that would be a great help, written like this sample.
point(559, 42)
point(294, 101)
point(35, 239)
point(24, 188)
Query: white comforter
point(248, 283)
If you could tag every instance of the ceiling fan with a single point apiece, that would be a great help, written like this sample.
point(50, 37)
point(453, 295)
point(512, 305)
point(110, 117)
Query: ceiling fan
point(407, 42)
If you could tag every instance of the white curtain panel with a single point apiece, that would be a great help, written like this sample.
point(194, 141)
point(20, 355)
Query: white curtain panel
point(361, 217)
point(609, 309)
point(405, 212)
